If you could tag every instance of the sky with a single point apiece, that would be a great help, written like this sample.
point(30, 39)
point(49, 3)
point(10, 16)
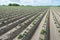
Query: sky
point(31, 2)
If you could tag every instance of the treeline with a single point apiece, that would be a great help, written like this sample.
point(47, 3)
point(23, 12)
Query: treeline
point(13, 4)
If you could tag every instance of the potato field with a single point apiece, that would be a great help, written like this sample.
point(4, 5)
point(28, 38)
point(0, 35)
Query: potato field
point(29, 23)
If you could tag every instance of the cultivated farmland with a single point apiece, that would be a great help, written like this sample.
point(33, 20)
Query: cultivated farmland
point(29, 23)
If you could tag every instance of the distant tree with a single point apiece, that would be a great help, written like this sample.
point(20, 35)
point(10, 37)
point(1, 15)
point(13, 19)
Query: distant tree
point(10, 4)
point(58, 6)
point(13, 4)
point(3, 5)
